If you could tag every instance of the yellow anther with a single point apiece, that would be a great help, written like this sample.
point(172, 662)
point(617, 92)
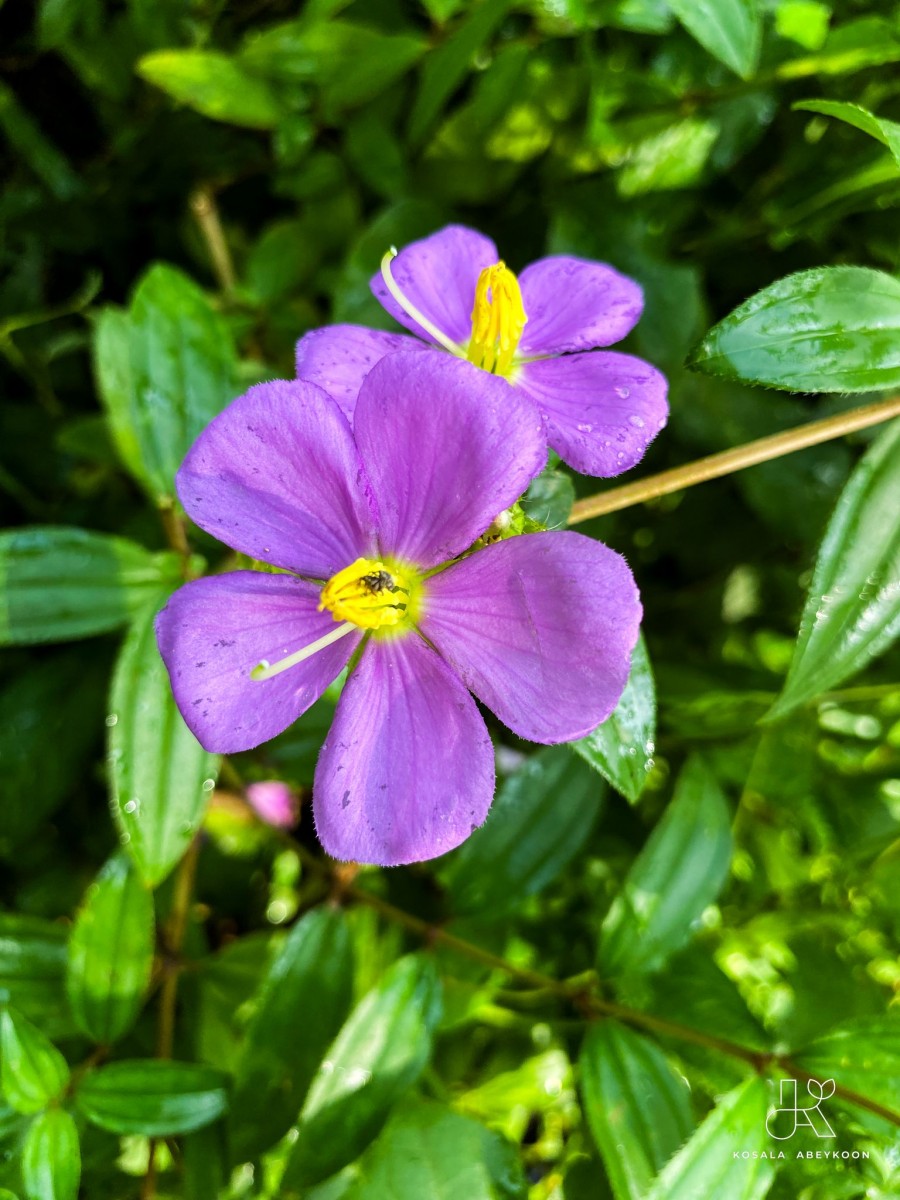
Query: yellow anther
point(498, 319)
point(368, 593)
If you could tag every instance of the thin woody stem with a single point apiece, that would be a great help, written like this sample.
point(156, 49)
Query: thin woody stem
point(738, 459)
point(581, 994)
point(206, 212)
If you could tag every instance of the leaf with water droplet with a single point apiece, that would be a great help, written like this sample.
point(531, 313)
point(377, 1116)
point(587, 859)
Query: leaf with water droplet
point(852, 612)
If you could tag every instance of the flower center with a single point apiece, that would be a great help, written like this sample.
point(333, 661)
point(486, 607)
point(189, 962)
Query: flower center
point(498, 319)
point(368, 593)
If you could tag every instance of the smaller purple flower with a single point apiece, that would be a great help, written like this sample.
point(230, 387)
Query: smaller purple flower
point(539, 332)
point(373, 529)
point(274, 802)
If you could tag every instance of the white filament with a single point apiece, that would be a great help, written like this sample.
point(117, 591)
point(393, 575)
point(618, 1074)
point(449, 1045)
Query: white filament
point(410, 309)
point(265, 670)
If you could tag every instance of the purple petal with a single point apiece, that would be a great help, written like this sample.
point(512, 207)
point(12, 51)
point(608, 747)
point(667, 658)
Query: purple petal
point(277, 476)
point(338, 358)
point(447, 447)
point(438, 274)
point(602, 409)
point(540, 628)
point(407, 771)
point(575, 304)
point(214, 631)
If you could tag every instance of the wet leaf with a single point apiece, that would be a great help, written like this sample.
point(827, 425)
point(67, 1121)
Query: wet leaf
point(152, 1097)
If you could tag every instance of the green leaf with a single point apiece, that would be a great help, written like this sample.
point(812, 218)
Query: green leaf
point(32, 1071)
point(672, 158)
point(160, 776)
point(58, 583)
point(679, 872)
point(549, 499)
point(832, 329)
point(447, 66)
point(430, 1151)
point(214, 84)
point(51, 1157)
point(637, 1106)
point(111, 953)
point(312, 975)
point(863, 1055)
point(541, 818)
point(884, 131)
point(621, 749)
point(731, 30)
point(164, 369)
point(32, 969)
point(852, 612)
point(705, 1166)
point(376, 1057)
point(154, 1097)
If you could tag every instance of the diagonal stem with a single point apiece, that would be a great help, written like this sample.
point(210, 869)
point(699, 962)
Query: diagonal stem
point(751, 454)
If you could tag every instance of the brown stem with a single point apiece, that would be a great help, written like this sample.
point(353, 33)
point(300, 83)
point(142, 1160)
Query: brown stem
point(176, 533)
point(738, 459)
point(582, 993)
point(206, 213)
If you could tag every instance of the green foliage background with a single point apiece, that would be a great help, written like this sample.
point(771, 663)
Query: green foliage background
point(598, 993)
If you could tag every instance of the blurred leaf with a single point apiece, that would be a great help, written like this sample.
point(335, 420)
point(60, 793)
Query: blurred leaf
point(33, 967)
point(160, 776)
point(637, 1106)
point(154, 1097)
point(540, 819)
point(51, 1157)
point(672, 158)
point(351, 64)
point(312, 975)
point(58, 583)
point(884, 131)
point(863, 1055)
point(32, 1071)
point(803, 21)
point(852, 612)
point(285, 255)
point(511, 1101)
point(549, 498)
point(164, 370)
point(705, 1165)
point(111, 953)
point(621, 749)
point(214, 84)
point(376, 1057)
point(853, 46)
point(831, 329)
point(731, 30)
point(205, 1162)
point(677, 874)
point(430, 1151)
point(446, 67)
point(44, 159)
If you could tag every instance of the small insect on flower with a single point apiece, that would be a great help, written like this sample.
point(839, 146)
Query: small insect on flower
point(374, 530)
point(539, 331)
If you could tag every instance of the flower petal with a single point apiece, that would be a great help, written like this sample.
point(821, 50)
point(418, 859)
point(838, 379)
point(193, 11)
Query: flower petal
point(447, 447)
point(602, 409)
point(540, 628)
point(407, 771)
point(338, 358)
point(438, 274)
point(575, 304)
point(214, 631)
point(277, 476)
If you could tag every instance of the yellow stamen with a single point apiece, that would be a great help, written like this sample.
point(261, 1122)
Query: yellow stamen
point(368, 593)
point(498, 319)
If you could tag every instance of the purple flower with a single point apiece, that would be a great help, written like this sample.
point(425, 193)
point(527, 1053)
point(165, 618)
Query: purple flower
point(600, 409)
point(371, 524)
point(273, 802)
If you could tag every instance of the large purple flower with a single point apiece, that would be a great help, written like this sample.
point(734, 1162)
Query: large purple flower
point(375, 526)
point(600, 409)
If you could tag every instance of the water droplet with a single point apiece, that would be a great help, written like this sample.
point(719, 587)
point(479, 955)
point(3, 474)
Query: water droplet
point(208, 785)
point(623, 392)
point(636, 421)
point(112, 719)
point(131, 806)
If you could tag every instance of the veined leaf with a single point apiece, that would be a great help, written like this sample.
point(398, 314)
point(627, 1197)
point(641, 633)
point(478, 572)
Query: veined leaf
point(32, 970)
point(111, 952)
point(852, 612)
point(863, 1055)
point(153, 1096)
point(32, 1071)
point(731, 30)
point(379, 1053)
point(884, 131)
point(679, 872)
point(621, 749)
point(160, 776)
point(51, 1157)
point(831, 329)
point(58, 583)
point(637, 1106)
